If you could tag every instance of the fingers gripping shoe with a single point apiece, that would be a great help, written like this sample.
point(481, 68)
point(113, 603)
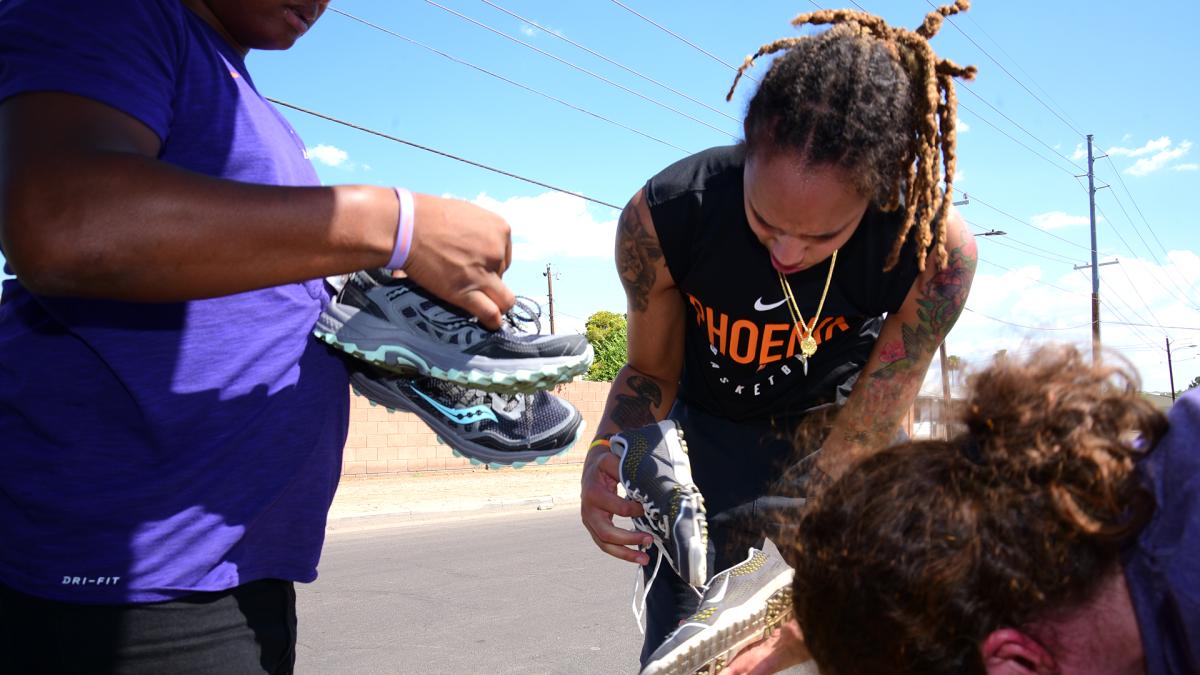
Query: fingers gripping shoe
point(741, 606)
point(394, 324)
point(655, 471)
point(485, 427)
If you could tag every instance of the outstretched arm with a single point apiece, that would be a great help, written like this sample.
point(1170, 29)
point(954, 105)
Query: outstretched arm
point(87, 210)
point(645, 388)
point(892, 377)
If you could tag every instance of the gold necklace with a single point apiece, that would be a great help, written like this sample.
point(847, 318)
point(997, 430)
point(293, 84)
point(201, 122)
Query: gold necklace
point(808, 345)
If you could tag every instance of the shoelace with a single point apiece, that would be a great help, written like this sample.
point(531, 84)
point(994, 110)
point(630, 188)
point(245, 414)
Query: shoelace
point(525, 310)
point(639, 612)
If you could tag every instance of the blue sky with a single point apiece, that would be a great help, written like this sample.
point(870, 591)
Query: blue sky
point(1124, 76)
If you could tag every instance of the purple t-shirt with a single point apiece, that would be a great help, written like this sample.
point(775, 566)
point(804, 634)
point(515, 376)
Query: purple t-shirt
point(151, 450)
point(1162, 569)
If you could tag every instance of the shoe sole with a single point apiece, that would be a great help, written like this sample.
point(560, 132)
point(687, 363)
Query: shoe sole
point(438, 361)
point(710, 651)
point(446, 434)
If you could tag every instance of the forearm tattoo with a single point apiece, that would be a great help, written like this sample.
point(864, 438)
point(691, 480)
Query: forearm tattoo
point(638, 252)
point(943, 297)
point(637, 410)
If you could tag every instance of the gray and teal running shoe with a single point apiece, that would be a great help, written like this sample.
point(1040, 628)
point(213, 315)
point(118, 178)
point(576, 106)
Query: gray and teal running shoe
point(655, 471)
point(394, 324)
point(742, 605)
point(485, 427)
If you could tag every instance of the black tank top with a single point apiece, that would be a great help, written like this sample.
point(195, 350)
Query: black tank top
point(742, 357)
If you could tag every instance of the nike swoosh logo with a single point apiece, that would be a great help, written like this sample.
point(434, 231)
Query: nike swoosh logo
point(462, 415)
point(760, 306)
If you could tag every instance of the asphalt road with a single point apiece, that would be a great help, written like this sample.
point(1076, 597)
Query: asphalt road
point(517, 593)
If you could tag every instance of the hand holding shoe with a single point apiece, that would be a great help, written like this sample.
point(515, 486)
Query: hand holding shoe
point(459, 252)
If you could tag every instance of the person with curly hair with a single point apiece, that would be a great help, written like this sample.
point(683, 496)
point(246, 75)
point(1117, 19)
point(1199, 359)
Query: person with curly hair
point(815, 266)
point(1058, 534)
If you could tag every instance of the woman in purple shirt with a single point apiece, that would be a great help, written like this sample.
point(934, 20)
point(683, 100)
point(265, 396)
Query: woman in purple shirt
point(170, 434)
point(1060, 534)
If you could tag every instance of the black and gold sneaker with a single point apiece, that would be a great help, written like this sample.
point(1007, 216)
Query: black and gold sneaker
point(655, 471)
point(742, 605)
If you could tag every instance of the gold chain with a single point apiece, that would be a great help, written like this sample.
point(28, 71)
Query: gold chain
point(808, 345)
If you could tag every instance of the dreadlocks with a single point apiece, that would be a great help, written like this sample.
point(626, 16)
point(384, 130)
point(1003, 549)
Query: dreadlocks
point(872, 99)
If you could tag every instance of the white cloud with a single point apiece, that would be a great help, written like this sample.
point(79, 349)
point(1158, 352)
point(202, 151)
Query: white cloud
point(554, 225)
point(1079, 153)
point(959, 176)
point(1054, 220)
point(1191, 166)
point(328, 155)
point(528, 30)
point(962, 127)
point(1156, 145)
point(1153, 155)
point(1131, 293)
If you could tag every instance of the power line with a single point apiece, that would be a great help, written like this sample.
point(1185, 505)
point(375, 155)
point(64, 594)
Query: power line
point(440, 152)
point(1135, 205)
point(1014, 139)
point(975, 198)
point(1130, 249)
point(1113, 308)
point(608, 60)
point(1049, 147)
point(1138, 293)
point(1021, 325)
point(582, 69)
point(1083, 325)
point(507, 80)
point(1064, 290)
point(1010, 75)
point(682, 39)
point(1148, 227)
point(1014, 62)
point(1113, 228)
point(1036, 281)
point(1023, 247)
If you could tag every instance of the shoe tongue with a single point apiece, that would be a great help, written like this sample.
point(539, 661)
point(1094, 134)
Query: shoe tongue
point(512, 406)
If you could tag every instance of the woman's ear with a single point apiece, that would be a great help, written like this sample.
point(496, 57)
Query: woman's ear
point(1008, 651)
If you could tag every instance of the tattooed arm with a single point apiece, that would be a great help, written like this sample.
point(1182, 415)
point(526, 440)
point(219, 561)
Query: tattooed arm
point(894, 372)
point(645, 388)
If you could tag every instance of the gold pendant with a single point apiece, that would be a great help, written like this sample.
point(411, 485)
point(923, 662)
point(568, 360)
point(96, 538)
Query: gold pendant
point(808, 346)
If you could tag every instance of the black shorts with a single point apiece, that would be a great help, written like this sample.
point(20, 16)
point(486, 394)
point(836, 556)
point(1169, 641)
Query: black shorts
point(246, 630)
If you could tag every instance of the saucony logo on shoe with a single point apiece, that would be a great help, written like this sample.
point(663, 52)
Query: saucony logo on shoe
point(461, 415)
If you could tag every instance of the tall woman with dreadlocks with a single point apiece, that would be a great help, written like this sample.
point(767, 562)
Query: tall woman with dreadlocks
point(815, 266)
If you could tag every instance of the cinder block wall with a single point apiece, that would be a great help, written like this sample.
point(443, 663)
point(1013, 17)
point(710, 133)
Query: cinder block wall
point(383, 442)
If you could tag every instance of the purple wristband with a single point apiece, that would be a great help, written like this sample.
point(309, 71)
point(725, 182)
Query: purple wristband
point(404, 230)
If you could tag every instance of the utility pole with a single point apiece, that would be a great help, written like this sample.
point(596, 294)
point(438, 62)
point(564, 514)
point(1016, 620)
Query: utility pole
point(1170, 370)
point(550, 294)
point(1091, 176)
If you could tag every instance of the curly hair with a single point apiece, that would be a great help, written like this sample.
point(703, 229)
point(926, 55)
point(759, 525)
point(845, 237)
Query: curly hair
point(909, 560)
point(874, 100)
